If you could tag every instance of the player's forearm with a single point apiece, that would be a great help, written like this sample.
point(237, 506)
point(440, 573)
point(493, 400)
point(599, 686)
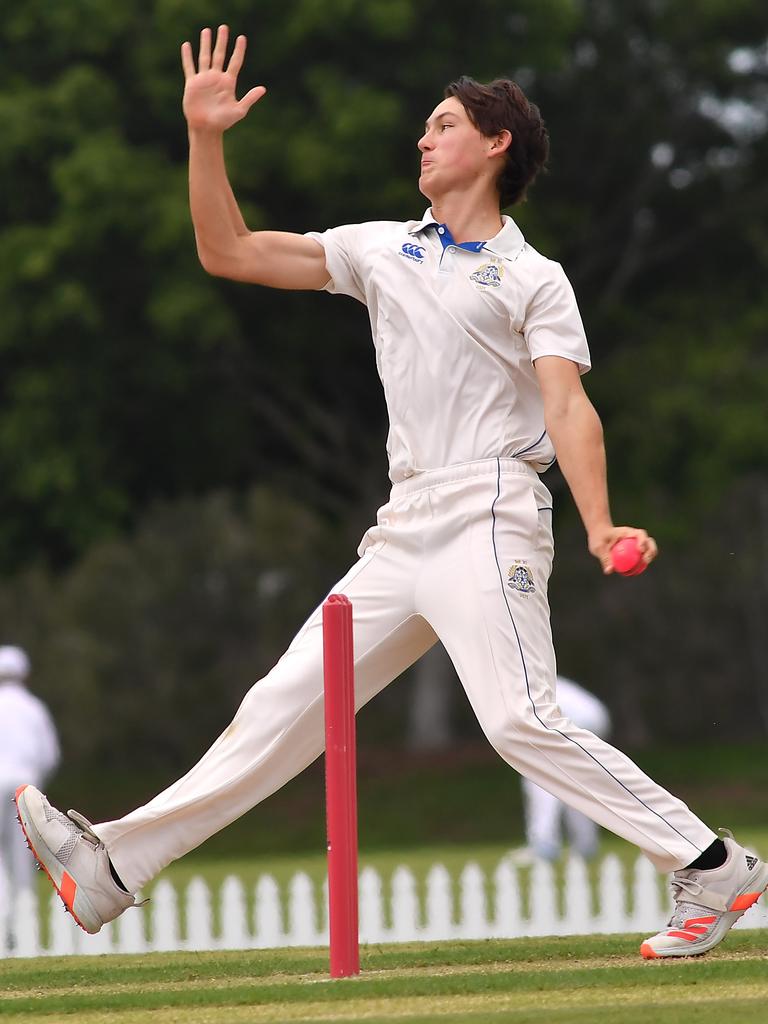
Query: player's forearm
point(577, 435)
point(220, 230)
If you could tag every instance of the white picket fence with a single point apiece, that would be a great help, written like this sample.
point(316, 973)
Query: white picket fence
point(503, 905)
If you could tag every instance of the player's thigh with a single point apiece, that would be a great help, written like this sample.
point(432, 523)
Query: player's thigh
point(388, 636)
point(487, 601)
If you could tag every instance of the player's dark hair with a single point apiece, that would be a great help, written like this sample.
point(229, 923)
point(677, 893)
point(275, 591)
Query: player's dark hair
point(500, 105)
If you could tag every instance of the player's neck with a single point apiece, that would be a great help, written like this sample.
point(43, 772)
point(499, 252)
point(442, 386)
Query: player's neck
point(469, 219)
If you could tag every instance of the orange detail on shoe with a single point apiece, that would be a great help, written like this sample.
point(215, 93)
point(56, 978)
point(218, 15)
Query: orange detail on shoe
point(700, 929)
point(648, 951)
point(44, 869)
point(699, 920)
point(745, 901)
point(68, 890)
point(688, 936)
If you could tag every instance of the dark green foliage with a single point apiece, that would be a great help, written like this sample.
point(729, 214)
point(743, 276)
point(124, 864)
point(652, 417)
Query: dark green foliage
point(128, 375)
point(145, 649)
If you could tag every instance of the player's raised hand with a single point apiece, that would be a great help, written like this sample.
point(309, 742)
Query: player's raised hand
point(209, 91)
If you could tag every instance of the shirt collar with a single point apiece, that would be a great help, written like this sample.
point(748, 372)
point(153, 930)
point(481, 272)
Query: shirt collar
point(425, 222)
point(507, 243)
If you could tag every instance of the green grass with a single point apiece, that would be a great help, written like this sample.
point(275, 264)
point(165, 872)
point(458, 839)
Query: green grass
point(556, 981)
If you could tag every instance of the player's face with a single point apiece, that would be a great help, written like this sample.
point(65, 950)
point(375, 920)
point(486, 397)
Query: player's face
point(453, 152)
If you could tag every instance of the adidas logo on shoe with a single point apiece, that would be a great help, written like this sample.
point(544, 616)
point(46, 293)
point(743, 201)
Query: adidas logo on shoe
point(751, 861)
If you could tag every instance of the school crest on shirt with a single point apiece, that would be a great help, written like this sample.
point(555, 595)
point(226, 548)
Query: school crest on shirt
point(520, 578)
point(489, 275)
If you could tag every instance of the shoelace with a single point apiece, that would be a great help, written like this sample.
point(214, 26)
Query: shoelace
point(684, 910)
point(85, 826)
point(680, 884)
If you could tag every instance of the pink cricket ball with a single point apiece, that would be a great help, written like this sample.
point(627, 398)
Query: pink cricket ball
point(627, 558)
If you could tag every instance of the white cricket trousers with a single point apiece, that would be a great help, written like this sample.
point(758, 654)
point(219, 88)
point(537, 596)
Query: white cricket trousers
point(463, 554)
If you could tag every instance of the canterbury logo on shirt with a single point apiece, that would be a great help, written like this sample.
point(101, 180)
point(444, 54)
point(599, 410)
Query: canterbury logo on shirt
point(412, 252)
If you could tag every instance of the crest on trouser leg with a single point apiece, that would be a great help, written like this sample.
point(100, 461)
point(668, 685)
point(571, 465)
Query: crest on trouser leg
point(520, 578)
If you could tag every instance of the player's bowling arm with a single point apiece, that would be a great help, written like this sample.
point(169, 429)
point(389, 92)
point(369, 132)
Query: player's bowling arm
point(577, 435)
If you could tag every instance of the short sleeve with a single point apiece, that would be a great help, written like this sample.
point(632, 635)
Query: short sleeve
point(553, 325)
point(342, 259)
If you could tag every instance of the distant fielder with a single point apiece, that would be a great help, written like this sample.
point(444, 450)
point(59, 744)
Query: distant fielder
point(548, 820)
point(29, 750)
point(480, 348)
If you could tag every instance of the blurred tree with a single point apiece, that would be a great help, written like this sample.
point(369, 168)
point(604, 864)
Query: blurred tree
point(147, 646)
point(680, 653)
point(128, 375)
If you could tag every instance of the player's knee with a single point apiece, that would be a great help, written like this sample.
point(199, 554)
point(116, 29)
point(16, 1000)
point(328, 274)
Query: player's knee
point(506, 733)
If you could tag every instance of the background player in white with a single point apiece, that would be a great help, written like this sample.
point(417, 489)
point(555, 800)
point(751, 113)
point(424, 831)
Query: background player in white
point(480, 348)
point(547, 819)
point(29, 752)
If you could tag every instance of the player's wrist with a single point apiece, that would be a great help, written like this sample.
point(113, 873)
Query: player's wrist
point(202, 133)
point(600, 536)
point(598, 528)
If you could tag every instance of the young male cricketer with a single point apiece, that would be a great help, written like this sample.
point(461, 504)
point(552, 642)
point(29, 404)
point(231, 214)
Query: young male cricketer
point(480, 348)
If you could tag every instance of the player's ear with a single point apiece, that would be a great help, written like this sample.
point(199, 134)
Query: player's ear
point(501, 142)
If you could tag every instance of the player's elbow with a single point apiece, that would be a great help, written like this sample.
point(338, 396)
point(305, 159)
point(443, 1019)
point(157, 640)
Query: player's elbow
point(573, 419)
point(563, 407)
point(217, 265)
point(235, 262)
point(211, 262)
point(558, 417)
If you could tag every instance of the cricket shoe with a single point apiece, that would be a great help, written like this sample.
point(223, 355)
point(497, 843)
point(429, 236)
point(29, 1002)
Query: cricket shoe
point(74, 858)
point(708, 903)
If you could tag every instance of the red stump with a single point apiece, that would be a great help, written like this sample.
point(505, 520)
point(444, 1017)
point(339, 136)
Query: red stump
point(341, 786)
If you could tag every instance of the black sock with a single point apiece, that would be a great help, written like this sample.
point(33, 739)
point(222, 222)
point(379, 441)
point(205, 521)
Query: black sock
point(713, 857)
point(117, 878)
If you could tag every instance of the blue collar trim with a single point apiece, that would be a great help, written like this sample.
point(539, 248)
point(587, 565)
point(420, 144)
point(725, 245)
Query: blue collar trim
point(508, 243)
point(444, 233)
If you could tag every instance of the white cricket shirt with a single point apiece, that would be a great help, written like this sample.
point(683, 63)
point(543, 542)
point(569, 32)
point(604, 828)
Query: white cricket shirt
point(29, 745)
point(456, 330)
